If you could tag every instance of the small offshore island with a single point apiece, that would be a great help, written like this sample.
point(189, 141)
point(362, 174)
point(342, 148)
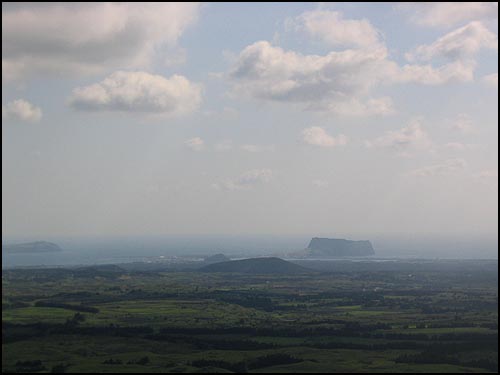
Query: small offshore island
point(31, 248)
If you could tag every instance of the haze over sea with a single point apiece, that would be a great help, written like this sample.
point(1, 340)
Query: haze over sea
point(106, 250)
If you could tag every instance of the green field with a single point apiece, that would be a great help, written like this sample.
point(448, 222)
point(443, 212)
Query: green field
point(108, 319)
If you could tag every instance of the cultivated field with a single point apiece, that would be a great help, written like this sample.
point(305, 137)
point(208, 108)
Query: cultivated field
point(436, 318)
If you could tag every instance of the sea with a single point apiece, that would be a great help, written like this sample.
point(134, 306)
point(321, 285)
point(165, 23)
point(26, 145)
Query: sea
point(98, 250)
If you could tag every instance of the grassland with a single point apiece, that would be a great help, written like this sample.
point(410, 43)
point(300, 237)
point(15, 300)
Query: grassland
point(108, 319)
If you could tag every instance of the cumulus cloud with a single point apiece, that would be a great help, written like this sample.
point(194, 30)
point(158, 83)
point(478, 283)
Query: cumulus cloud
point(461, 44)
point(444, 168)
point(195, 144)
point(87, 38)
point(343, 82)
point(317, 136)
point(491, 79)
point(448, 14)
point(410, 138)
point(458, 49)
point(332, 28)
point(21, 110)
point(456, 52)
point(246, 180)
point(457, 71)
point(338, 82)
point(138, 92)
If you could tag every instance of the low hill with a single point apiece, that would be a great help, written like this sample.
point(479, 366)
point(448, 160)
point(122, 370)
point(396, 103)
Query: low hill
point(333, 247)
point(217, 258)
point(31, 247)
point(257, 266)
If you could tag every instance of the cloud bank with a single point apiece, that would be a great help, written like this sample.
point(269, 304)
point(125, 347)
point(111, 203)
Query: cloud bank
point(345, 81)
point(85, 38)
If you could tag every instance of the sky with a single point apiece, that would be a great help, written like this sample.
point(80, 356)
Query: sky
point(249, 118)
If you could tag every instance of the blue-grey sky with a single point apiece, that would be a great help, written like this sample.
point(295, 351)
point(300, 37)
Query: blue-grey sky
point(249, 118)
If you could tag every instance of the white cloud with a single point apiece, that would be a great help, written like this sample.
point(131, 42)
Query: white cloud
point(412, 137)
point(448, 14)
point(21, 110)
point(370, 107)
point(227, 145)
point(195, 144)
point(338, 82)
point(139, 92)
point(334, 29)
point(457, 71)
point(317, 136)
point(458, 146)
point(175, 58)
point(320, 183)
point(488, 176)
point(458, 48)
point(462, 123)
point(458, 45)
point(251, 148)
point(489, 173)
point(84, 38)
point(246, 180)
point(491, 80)
point(444, 168)
point(224, 145)
point(257, 148)
point(343, 82)
point(215, 75)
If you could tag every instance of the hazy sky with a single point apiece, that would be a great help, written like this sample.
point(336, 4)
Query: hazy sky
point(249, 118)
